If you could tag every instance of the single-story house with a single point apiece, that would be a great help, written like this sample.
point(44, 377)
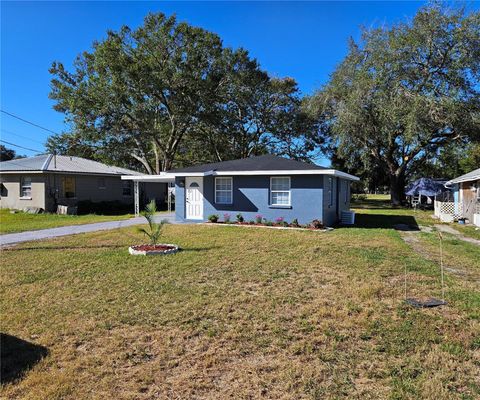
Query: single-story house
point(267, 185)
point(47, 181)
point(464, 201)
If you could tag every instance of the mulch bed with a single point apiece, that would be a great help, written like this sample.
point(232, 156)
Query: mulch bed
point(151, 247)
point(278, 226)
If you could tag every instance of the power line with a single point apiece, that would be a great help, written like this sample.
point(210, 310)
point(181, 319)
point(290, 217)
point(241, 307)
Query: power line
point(28, 122)
point(21, 147)
point(21, 136)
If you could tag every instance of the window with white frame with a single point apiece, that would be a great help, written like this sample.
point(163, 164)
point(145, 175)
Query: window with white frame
point(101, 183)
point(280, 190)
point(330, 192)
point(127, 188)
point(223, 190)
point(26, 187)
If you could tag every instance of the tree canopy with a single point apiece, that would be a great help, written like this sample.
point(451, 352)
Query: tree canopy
point(169, 92)
point(7, 154)
point(404, 92)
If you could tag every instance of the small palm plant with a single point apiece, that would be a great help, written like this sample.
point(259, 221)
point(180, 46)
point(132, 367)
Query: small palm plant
point(154, 228)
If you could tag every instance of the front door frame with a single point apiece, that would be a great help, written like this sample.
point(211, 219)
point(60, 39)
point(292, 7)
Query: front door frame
point(188, 181)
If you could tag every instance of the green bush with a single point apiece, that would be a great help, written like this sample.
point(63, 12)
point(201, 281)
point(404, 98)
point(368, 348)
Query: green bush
point(213, 218)
point(359, 197)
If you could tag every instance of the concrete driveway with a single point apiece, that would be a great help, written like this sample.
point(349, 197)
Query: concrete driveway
point(13, 238)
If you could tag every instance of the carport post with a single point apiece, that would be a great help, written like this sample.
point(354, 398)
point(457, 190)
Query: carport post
point(136, 197)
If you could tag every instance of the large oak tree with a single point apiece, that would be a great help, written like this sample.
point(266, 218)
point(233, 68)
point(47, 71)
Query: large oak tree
point(139, 92)
point(169, 92)
point(404, 92)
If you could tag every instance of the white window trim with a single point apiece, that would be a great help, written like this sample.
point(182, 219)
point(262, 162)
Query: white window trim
point(276, 191)
point(223, 190)
point(22, 196)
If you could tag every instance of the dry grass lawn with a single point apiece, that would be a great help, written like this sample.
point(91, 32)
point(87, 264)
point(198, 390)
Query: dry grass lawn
point(244, 314)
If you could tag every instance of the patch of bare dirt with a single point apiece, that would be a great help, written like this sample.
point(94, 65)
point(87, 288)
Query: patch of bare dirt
point(412, 239)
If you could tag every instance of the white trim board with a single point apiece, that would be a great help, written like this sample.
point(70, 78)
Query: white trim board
point(59, 172)
point(462, 180)
point(171, 175)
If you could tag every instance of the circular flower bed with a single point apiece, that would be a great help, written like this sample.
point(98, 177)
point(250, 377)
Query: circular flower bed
point(152, 249)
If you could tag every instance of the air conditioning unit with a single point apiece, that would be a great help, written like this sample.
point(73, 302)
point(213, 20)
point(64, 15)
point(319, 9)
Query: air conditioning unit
point(347, 217)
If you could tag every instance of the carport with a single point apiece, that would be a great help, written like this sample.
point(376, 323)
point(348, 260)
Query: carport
point(169, 179)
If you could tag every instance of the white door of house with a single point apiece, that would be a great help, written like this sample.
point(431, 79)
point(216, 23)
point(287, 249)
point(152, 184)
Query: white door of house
point(194, 198)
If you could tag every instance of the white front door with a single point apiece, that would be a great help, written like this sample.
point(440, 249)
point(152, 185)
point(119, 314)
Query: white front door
point(194, 198)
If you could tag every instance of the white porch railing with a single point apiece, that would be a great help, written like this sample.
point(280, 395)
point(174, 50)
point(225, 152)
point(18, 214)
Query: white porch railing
point(446, 211)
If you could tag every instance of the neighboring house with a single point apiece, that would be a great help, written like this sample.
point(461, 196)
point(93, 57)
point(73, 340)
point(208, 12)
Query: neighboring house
point(47, 181)
point(268, 185)
point(462, 201)
point(423, 191)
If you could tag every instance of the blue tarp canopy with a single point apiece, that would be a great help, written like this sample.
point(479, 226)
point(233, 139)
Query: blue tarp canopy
point(425, 187)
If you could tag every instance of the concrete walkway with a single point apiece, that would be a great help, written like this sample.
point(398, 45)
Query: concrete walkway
point(13, 238)
point(457, 234)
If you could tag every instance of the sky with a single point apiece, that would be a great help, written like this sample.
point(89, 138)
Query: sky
point(303, 40)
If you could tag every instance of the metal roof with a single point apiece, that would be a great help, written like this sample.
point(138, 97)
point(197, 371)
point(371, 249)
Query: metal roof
point(260, 163)
point(471, 176)
point(70, 164)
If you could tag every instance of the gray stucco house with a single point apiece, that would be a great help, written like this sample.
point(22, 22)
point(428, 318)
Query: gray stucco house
point(267, 185)
point(46, 181)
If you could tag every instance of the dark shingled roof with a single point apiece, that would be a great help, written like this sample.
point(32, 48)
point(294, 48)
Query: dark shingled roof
point(260, 163)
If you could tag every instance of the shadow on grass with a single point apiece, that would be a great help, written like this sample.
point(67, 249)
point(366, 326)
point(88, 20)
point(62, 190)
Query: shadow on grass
point(385, 221)
point(107, 246)
point(79, 247)
point(18, 356)
point(197, 249)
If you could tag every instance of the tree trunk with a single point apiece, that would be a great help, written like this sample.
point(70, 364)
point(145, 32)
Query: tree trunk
point(167, 162)
point(397, 188)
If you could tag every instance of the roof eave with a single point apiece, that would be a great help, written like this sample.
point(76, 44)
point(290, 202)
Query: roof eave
point(36, 171)
point(333, 172)
point(461, 180)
